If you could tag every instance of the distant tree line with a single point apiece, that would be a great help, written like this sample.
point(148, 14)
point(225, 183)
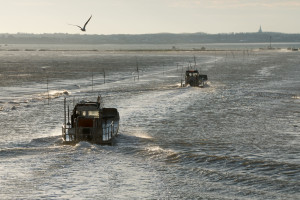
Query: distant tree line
point(159, 38)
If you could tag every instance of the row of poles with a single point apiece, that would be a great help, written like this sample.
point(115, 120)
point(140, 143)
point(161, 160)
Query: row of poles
point(104, 77)
point(134, 77)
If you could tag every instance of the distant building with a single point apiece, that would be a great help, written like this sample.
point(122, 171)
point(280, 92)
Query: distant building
point(260, 31)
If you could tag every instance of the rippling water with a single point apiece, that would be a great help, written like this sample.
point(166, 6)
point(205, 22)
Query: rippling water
point(237, 138)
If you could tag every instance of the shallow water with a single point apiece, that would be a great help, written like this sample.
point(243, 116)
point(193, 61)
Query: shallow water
point(237, 138)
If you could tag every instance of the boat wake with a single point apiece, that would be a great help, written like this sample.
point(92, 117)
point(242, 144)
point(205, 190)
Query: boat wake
point(26, 100)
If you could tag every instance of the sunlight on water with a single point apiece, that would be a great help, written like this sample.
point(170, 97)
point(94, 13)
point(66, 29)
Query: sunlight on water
point(141, 135)
point(236, 138)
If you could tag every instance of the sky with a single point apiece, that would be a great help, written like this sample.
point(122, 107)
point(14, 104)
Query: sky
point(149, 16)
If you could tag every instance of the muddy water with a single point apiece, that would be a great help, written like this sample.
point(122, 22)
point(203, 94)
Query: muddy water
point(237, 138)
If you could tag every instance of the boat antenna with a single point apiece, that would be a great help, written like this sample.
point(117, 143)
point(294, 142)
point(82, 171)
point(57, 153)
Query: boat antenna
point(68, 114)
point(99, 101)
point(190, 65)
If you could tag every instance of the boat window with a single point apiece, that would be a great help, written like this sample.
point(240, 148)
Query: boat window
point(93, 113)
point(88, 113)
point(81, 113)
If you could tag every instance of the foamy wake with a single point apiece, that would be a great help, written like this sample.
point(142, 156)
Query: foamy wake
point(26, 100)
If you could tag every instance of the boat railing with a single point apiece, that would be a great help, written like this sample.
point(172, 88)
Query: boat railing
point(68, 133)
point(108, 131)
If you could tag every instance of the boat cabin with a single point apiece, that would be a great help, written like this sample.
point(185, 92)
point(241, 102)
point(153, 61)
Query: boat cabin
point(194, 78)
point(90, 122)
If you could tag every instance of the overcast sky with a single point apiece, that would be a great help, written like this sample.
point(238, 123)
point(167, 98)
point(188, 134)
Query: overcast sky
point(149, 16)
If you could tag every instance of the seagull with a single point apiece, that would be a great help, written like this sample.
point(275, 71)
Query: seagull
point(83, 28)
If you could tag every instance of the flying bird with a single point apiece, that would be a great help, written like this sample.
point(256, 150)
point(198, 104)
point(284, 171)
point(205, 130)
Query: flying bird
point(83, 28)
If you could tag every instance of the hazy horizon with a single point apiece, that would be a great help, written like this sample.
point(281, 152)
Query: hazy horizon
point(86, 33)
point(150, 17)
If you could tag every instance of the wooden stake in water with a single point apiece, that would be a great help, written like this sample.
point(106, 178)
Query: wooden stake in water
point(181, 77)
point(104, 75)
point(215, 58)
point(92, 81)
point(48, 91)
point(137, 68)
point(65, 112)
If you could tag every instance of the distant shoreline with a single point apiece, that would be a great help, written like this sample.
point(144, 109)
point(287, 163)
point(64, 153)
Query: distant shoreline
point(159, 38)
point(146, 50)
point(180, 47)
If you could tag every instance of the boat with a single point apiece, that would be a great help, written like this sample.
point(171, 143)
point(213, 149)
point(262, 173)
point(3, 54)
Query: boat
point(195, 79)
point(90, 122)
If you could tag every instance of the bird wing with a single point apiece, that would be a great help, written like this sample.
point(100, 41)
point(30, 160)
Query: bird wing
point(87, 22)
point(76, 25)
